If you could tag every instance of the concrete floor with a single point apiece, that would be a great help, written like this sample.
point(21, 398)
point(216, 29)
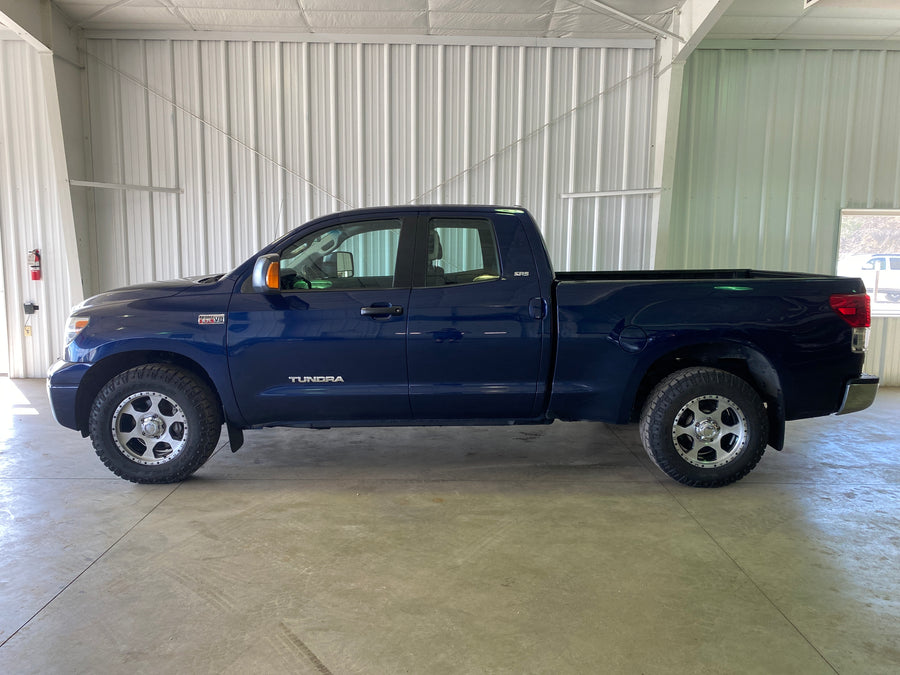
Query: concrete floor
point(482, 550)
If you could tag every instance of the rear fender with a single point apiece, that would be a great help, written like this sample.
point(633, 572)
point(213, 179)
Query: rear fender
point(741, 360)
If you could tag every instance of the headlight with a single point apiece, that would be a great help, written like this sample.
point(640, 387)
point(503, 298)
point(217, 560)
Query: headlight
point(75, 326)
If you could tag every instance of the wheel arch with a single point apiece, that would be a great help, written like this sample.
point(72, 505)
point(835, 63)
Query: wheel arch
point(741, 360)
point(107, 368)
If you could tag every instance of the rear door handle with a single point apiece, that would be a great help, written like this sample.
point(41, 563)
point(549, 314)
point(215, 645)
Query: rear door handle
point(382, 311)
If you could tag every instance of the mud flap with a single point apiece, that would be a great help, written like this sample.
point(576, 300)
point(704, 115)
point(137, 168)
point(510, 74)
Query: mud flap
point(235, 436)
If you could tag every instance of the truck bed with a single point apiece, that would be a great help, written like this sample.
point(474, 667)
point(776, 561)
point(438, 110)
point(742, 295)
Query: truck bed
point(614, 327)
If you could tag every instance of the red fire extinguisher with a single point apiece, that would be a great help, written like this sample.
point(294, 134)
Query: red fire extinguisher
point(34, 262)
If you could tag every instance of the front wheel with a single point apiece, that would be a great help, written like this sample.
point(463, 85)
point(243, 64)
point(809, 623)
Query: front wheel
point(704, 427)
point(155, 424)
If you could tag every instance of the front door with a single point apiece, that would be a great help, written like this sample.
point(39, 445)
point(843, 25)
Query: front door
point(332, 344)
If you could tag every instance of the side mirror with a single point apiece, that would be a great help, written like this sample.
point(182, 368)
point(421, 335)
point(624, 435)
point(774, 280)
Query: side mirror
point(338, 265)
point(267, 274)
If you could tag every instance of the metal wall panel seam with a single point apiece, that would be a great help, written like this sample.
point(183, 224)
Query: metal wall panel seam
point(151, 215)
point(360, 145)
point(793, 164)
point(570, 180)
point(203, 176)
point(90, 277)
point(413, 117)
point(255, 205)
point(876, 128)
point(820, 151)
point(848, 135)
point(440, 140)
point(120, 201)
point(770, 131)
point(467, 120)
point(279, 80)
point(545, 172)
point(306, 70)
point(520, 123)
point(626, 158)
point(9, 240)
point(386, 106)
point(738, 183)
point(494, 108)
point(170, 51)
point(333, 135)
point(601, 118)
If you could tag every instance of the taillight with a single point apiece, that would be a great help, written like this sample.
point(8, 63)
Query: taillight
point(854, 308)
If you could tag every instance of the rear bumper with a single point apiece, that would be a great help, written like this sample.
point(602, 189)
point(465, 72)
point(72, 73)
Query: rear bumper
point(859, 393)
point(63, 380)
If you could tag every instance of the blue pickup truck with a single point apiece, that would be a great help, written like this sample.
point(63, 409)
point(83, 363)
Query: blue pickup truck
point(453, 315)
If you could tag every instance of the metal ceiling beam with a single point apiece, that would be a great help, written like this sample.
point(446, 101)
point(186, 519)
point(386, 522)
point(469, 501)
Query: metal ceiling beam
point(104, 10)
point(597, 6)
point(302, 10)
point(175, 11)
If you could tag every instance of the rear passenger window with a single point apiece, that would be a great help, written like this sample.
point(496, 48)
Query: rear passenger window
point(461, 251)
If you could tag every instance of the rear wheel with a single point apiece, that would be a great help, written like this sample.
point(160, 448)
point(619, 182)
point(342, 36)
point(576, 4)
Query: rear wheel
point(155, 424)
point(704, 427)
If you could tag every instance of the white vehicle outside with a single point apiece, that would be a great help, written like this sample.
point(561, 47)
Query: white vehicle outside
point(879, 271)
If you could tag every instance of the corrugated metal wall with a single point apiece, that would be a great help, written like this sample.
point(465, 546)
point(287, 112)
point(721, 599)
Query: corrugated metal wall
point(30, 215)
point(773, 143)
point(883, 357)
point(263, 136)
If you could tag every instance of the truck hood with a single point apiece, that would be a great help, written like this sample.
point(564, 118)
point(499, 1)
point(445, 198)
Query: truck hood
point(147, 291)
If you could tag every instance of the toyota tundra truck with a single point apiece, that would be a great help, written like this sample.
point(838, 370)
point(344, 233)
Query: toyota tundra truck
point(453, 315)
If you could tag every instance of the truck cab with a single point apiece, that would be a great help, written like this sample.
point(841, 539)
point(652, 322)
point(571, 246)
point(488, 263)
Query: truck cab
point(407, 314)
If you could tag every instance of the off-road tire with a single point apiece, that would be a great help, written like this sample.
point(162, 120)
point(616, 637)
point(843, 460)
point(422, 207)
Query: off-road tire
point(704, 427)
point(180, 414)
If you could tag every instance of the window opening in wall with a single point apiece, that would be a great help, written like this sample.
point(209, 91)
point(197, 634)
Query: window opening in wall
point(869, 248)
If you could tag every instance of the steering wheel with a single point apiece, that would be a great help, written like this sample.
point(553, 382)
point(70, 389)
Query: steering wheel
point(290, 278)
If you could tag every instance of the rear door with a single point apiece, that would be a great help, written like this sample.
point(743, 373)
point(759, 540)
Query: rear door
point(477, 324)
point(332, 344)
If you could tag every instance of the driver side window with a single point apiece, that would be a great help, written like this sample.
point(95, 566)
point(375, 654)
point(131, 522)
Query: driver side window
point(342, 257)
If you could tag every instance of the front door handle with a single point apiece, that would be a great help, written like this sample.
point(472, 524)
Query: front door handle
point(382, 311)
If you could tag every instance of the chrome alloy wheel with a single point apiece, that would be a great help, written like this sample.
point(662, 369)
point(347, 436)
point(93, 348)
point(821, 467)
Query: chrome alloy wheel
point(149, 428)
point(710, 431)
